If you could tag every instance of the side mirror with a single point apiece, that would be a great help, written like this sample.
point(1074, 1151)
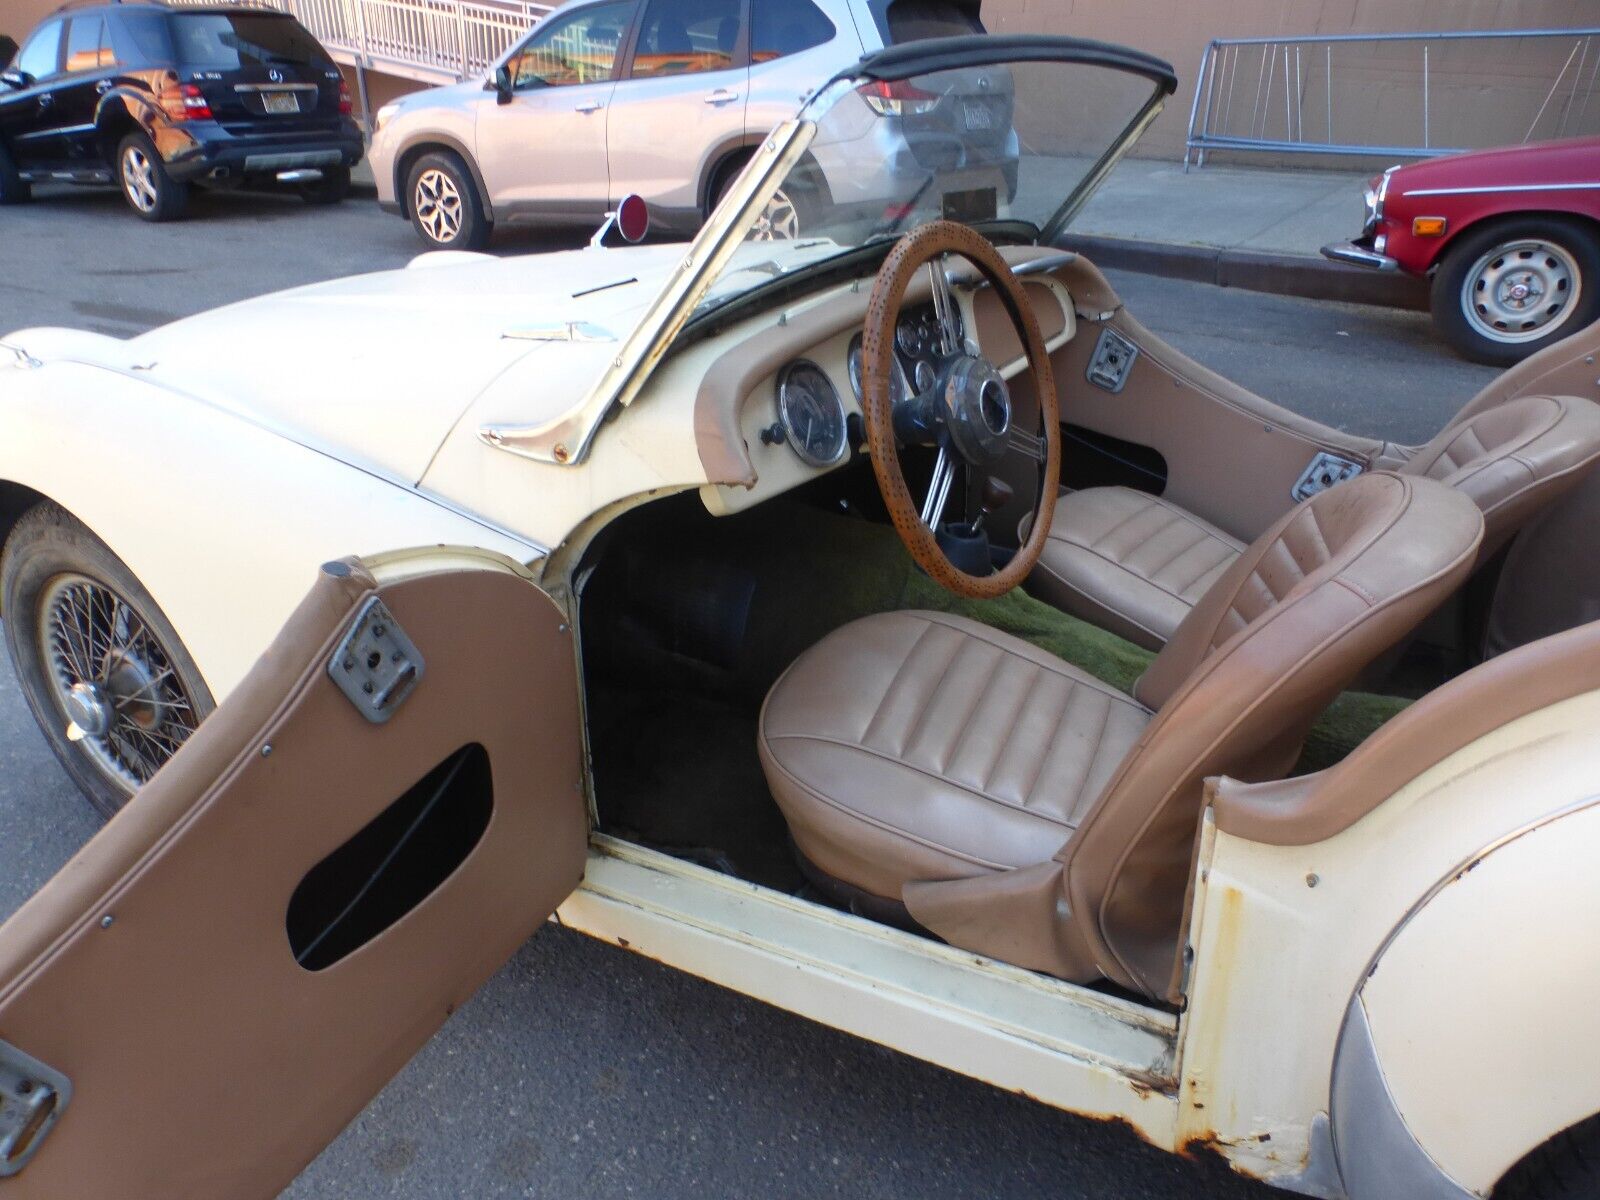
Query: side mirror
point(502, 85)
point(15, 79)
point(631, 220)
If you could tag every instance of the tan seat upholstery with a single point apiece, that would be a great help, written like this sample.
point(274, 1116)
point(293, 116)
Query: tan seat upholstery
point(1135, 563)
point(1130, 562)
point(1020, 809)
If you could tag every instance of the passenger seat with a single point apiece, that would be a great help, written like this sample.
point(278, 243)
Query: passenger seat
point(1136, 564)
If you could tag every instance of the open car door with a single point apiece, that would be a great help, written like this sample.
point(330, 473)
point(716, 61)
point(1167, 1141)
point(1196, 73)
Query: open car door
point(389, 805)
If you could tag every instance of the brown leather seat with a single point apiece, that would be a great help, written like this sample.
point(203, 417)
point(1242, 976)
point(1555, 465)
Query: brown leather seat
point(1019, 808)
point(1136, 564)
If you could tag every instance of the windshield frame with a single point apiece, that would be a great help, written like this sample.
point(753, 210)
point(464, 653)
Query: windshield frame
point(567, 440)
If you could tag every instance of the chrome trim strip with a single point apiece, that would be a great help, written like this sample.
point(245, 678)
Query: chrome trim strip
point(559, 331)
point(23, 358)
point(59, 131)
point(274, 87)
point(1505, 187)
point(1044, 264)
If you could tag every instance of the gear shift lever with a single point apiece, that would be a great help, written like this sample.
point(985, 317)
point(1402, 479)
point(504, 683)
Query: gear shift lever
point(996, 495)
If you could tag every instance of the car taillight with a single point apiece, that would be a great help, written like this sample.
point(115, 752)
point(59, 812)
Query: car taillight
point(897, 98)
point(185, 102)
point(345, 107)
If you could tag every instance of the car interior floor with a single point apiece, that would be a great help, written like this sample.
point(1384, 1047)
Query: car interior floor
point(688, 620)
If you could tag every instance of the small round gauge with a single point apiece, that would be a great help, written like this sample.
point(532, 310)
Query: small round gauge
point(925, 375)
point(812, 414)
point(899, 390)
point(911, 335)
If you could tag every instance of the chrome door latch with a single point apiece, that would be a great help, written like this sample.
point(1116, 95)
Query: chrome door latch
point(1111, 361)
point(376, 666)
point(32, 1098)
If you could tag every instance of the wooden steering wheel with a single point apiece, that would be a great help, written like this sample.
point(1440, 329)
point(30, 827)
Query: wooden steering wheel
point(966, 414)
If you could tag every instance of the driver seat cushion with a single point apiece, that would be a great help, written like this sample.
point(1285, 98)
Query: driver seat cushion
point(922, 745)
point(1136, 564)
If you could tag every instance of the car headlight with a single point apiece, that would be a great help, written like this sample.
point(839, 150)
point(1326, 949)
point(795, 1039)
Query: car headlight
point(387, 112)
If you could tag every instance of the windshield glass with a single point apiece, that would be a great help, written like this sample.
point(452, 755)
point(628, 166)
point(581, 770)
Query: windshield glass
point(984, 145)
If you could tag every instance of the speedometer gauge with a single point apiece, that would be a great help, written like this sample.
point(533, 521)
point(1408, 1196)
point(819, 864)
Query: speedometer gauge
point(812, 414)
point(898, 389)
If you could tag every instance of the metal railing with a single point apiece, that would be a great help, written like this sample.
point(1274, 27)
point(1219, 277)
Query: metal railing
point(1279, 94)
point(434, 41)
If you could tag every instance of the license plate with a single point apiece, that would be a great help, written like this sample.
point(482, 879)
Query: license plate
point(978, 116)
point(280, 102)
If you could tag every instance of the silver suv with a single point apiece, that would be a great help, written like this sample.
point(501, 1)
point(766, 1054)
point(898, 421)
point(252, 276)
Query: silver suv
point(666, 99)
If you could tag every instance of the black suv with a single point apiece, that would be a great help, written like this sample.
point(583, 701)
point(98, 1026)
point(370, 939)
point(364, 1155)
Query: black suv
point(157, 98)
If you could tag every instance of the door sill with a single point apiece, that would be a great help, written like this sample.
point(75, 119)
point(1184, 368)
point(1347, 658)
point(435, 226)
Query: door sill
point(1057, 1042)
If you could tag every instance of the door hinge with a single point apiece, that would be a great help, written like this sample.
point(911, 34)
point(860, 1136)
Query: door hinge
point(376, 666)
point(32, 1098)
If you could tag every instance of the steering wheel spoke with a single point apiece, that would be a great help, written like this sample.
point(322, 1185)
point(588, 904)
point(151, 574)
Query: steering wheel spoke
point(1029, 445)
point(944, 474)
point(945, 310)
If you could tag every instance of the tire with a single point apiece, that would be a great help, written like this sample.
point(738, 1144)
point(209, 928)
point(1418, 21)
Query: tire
point(333, 187)
point(1474, 296)
point(446, 210)
point(13, 188)
point(149, 190)
point(794, 208)
point(74, 612)
point(1567, 1167)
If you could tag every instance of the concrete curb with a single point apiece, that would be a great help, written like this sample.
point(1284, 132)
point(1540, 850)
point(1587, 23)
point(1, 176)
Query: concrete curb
point(1252, 270)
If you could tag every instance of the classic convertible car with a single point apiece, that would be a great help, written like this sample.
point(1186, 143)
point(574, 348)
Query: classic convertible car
point(881, 623)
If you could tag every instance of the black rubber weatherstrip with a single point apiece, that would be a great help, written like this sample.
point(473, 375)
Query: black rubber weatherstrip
point(982, 50)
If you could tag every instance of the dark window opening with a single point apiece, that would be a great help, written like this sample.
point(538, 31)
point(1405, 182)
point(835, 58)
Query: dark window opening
point(901, 21)
point(782, 27)
point(1093, 459)
point(228, 41)
point(392, 864)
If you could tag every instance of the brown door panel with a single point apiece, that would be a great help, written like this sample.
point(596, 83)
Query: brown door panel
point(1232, 457)
point(156, 971)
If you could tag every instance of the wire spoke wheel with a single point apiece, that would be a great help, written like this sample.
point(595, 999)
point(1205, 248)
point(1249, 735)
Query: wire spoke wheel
point(1522, 290)
point(138, 179)
point(437, 203)
point(116, 685)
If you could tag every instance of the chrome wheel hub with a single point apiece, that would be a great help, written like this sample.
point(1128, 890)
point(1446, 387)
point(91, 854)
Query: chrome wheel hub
point(139, 179)
point(116, 684)
point(1521, 290)
point(437, 203)
point(778, 221)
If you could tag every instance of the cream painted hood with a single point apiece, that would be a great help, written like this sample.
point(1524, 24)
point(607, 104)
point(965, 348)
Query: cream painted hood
point(377, 369)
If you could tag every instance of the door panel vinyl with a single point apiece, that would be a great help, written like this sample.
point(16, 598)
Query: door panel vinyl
point(156, 970)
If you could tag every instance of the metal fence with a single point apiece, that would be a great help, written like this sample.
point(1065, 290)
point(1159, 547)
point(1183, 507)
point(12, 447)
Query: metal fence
point(434, 41)
point(1281, 95)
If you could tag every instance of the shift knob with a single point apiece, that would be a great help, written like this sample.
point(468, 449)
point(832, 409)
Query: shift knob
point(997, 494)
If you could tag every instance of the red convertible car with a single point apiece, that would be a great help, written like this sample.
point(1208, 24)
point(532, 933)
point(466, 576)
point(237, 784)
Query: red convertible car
point(1511, 238)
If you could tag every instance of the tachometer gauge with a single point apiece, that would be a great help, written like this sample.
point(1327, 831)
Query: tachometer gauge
point(812, 414)
point(898, 388)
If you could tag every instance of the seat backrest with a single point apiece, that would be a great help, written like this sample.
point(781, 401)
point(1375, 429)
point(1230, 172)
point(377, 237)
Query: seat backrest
point(1338, 580)
point(1513, 458)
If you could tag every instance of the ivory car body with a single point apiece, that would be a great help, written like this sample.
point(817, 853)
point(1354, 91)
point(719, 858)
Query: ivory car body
point(652, 498)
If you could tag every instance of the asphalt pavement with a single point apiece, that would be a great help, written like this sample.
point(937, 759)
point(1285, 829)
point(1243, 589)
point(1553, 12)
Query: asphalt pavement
point(581, 1070)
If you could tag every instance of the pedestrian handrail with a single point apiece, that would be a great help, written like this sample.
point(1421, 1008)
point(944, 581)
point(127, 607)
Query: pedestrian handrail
point(434, 41)
point(1279, 94)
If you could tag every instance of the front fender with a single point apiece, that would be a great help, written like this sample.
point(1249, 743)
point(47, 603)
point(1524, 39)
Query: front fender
point(225, 523)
